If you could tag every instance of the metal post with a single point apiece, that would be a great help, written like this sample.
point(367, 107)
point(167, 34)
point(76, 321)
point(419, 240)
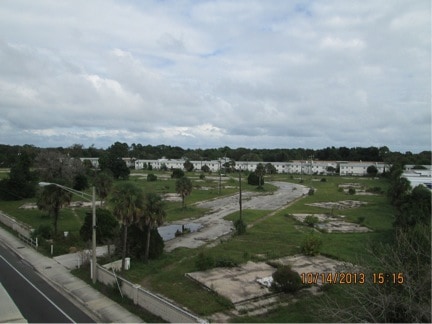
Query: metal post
point(240, 194)
point(93, 268)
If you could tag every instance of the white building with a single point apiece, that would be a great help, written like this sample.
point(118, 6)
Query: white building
point(293, 167)
point(360, 168)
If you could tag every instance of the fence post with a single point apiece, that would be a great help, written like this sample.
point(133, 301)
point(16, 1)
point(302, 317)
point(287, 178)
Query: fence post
point(135, 295)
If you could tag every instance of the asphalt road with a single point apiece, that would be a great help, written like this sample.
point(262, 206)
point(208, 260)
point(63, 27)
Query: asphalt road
point(36, 299)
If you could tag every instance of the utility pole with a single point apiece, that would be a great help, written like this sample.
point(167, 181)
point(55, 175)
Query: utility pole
point(240, 194)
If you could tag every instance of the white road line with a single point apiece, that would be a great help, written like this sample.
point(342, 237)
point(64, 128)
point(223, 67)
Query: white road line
point(37, 289)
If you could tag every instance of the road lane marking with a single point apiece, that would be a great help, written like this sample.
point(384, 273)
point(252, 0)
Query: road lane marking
point(38, 290)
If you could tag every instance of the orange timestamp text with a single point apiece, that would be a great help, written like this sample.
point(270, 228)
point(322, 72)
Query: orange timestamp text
point(351, 278)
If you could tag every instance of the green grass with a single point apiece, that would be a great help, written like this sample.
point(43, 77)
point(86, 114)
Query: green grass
point(269, 238)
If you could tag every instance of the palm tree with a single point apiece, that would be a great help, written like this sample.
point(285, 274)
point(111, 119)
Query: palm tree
point(103, 184)
point(183, 188)
point(260, 171)
point(153, 216)
point(52, 199)
point(127, 201)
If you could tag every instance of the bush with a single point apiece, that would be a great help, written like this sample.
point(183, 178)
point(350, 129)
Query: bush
point(202, 176)
point(177, 174)
point(311, 245)
point(204, 262)
point(240, 227)
point(253, 179)
point(351, 191)
point(311, 220)
point(226, 263)
point(151, 177)
point(286, 280)
point(323, 180)
point(311, 192)
point(43, 231)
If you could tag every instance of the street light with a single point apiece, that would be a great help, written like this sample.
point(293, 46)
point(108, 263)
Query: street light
point(87, 197)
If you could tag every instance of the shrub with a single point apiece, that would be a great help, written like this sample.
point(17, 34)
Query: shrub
point(202, 176)
point(351, 191)
point(240, 227)
point(311, 245)
point(151, 177)
point(286, 280)
point(43, 231)
point(323, 179)
point(177, 174)
point(311, 220)
point(311, 192)
point(360, 219)
point(226, 263)
point(253, 179)
point(376, 190)
point(204, 262)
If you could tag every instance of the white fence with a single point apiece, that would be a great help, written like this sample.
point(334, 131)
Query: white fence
point(24, 231)
point(17, 226)
point(147, 300)
point(144, 298)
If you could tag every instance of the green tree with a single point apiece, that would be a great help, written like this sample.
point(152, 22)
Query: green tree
point(103, 183)
point(372, 170)
point(188, 165)
point(107, 228)
point(184, 188)
point(260, 172)
point(127, 202)
point(414, 209)
point(113, 160)
point(177, 174)
point(205, 168)
point(137, 242)
point(270, 169)
point(52, 199)
point(153, 216)
point(21, 182)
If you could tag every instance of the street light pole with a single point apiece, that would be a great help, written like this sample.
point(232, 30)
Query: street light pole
point(94, 261)
point(87, 197)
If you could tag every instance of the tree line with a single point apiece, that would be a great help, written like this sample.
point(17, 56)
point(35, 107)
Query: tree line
point(9, 153)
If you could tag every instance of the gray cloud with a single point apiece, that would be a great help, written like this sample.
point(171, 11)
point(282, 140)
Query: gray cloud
point(216, 73)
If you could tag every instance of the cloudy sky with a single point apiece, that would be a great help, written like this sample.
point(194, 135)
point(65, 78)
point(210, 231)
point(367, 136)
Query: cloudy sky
point(203, 74)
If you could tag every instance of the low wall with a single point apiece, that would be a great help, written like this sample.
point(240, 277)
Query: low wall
point(17, 226)
point(153, 303)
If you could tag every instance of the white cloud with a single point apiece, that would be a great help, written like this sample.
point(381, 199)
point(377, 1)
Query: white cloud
point(216, 73)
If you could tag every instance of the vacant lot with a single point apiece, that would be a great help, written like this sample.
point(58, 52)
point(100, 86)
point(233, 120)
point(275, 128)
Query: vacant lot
point(273, 234)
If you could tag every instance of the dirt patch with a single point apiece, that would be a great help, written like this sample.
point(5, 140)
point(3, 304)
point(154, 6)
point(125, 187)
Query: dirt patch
point(343, 204)
point(333, 224)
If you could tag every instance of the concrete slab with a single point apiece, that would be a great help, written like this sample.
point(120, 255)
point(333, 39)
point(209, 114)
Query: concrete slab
point(333, 224)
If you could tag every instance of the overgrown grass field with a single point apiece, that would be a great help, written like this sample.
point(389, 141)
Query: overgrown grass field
point(267, 238)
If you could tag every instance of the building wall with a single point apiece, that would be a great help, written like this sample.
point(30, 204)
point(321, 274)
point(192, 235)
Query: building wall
point(294, 167)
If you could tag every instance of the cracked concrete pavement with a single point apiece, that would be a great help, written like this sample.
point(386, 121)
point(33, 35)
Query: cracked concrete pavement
point(214, 224)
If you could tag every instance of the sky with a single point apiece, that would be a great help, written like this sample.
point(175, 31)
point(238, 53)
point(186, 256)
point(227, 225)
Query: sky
point(208, 74)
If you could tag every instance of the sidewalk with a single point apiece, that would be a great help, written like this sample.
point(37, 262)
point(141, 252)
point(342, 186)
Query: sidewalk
point(103, 308)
